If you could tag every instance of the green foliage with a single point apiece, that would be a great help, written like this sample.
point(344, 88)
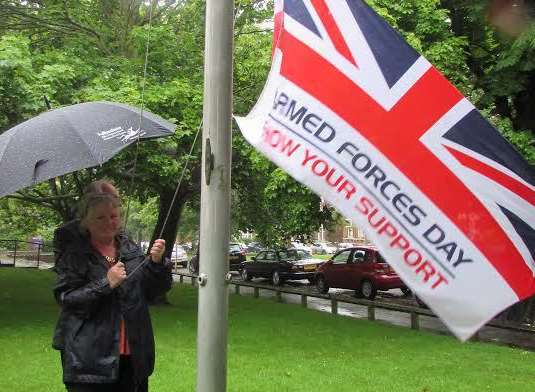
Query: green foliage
point(250, 72)
point(189, 223)
point(18, 98)
point(273, 205)
point(521, 140)
point(520, 52)
point(141, 218)
point(449, 57)
point(95, 50)
point(34, 221)
point(500, 64)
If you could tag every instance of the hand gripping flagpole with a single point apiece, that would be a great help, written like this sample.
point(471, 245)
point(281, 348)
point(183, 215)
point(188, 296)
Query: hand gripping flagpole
point(215, 198)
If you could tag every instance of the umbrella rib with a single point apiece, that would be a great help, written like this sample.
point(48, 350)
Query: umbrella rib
point(91, 152)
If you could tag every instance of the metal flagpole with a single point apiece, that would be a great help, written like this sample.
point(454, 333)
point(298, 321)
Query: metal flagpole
point(215, 198)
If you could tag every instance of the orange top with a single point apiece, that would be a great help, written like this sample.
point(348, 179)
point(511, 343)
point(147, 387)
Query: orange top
point(124, 348)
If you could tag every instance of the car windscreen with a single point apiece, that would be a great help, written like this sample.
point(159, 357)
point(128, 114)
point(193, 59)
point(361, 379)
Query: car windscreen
point(381, 259)
point(234, 248)
point(293, 255)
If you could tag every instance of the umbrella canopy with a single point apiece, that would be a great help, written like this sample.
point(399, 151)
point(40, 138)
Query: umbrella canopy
point(71, 138)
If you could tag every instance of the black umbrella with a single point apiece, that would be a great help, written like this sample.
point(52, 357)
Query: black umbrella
point(71, 138)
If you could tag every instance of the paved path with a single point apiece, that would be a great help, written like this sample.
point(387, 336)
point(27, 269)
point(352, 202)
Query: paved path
point(24, 263)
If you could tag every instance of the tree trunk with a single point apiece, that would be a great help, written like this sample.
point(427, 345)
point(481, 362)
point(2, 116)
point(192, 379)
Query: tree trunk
point(171, 226)
point(502, 107)
point(523, 103)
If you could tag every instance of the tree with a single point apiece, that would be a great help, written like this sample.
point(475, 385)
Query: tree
point(35, 221)
point(272, 204)
point(502, 65)
point(18, 98)
point(140, 218)
point(94, 50)
point(77, 50)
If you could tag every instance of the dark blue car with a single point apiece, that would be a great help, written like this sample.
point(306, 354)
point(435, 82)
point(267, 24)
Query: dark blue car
point(281, 265)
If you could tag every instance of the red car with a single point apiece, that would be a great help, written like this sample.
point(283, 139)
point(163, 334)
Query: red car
point(362, 269)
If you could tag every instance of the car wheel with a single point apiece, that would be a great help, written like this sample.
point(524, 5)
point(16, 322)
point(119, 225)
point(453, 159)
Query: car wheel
point(321, 285)
point(368, 290)
point(245, 275)
point(276, 278)
point(406, 291)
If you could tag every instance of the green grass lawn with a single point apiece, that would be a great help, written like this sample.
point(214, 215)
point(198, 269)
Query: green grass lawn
point(272, 347)
point(323, 257)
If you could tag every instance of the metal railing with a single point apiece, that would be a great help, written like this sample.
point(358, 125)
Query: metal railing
point(30, 254)
point(414, 311)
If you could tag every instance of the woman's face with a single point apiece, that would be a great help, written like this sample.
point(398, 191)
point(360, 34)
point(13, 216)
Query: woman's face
point(103, 221)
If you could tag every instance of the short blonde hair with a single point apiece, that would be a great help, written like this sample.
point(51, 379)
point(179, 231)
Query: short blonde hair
point(102, 186)
point(97, 192)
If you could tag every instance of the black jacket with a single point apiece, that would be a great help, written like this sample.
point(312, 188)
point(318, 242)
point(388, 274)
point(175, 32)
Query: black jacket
point(64, 235)
point(87, 331)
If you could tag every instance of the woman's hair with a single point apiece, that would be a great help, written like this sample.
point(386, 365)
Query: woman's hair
point(98, 192)
point(102, 186)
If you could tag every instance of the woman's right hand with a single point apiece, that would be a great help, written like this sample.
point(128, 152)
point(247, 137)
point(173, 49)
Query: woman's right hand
point(116, 275)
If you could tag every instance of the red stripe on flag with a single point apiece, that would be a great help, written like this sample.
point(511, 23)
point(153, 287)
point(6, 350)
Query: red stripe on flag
point(277, 29)
point(332, 29)
point(503, 179)
point(395, 133)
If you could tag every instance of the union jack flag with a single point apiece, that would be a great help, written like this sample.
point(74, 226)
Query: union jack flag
point(346, 58)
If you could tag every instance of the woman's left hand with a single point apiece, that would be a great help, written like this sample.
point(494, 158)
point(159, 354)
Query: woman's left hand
point(157, 250)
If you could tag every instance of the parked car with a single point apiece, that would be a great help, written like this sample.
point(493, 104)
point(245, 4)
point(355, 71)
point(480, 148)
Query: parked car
point(187, 246)
point(301, 246)
point(254, 247)
point(281, 265)
point(236, 257)
point(144, 245)
point(345, 245)
point(362, 269)
point(179, 256)
point(323, 248)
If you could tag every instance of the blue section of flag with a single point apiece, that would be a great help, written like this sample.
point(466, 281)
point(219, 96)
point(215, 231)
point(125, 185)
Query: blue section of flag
point(476, 134)
point(391, 52)
point(298, 11)
point(523, 229)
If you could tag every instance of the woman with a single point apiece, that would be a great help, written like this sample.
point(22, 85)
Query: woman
point(104, 331)
point(63, 235)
